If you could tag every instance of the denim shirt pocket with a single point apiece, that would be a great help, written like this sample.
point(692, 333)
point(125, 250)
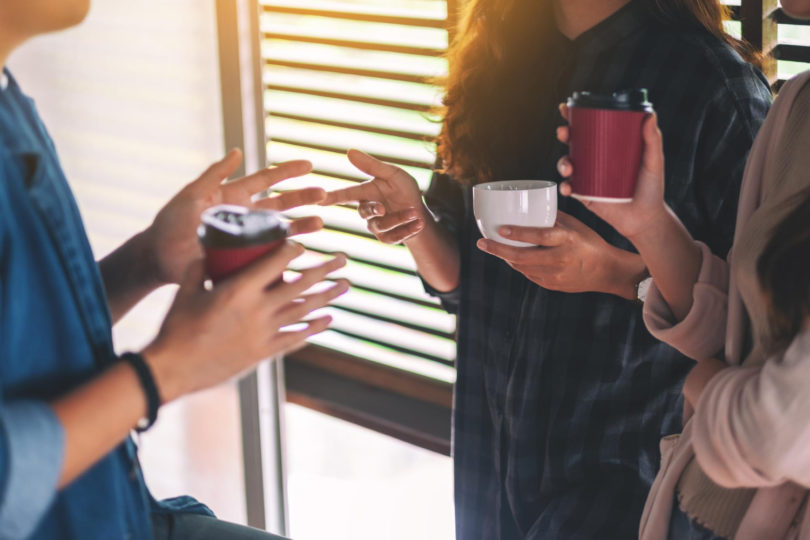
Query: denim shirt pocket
point(50, 195)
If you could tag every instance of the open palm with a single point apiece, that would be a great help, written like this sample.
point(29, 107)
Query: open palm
point(172, 235)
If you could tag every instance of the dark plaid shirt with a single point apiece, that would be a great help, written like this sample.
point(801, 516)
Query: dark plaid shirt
point(561, 398)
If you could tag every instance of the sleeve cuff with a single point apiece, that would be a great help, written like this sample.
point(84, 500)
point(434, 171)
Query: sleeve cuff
point(701, 333)
point(33, 443)
point(450, 300)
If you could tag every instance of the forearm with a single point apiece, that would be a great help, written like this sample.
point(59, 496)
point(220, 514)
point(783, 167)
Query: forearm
point(97, 417)
point(436, 255)
point(673, 259)
point(128, 275)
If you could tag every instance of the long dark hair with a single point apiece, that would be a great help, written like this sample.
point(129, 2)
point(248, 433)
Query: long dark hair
point(783, 270)
point(495, 82)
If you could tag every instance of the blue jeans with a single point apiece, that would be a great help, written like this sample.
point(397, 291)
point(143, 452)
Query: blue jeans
point(198, 527)
point(682, 527)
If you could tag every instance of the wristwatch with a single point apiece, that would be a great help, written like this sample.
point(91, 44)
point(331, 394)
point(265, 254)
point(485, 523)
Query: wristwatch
point(643, 288)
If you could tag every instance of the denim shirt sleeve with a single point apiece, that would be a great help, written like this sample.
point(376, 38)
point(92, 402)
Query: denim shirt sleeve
point(32, 444)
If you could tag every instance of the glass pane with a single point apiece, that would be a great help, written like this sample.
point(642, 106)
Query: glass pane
point(349, 483)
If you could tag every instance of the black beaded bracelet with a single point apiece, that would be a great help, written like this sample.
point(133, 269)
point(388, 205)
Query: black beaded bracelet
point(150, 389)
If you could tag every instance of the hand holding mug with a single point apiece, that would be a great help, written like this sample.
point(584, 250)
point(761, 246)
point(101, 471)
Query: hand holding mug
point(569, 257)
point(647, 204)
point(391, 202)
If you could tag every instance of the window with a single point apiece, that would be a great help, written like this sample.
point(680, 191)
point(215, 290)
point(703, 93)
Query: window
point(342, 74)
point(768, 28)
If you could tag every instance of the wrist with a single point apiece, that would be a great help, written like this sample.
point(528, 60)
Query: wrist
point(628, 270)
point(158, 358)
point(152, 271)
point(658, 219)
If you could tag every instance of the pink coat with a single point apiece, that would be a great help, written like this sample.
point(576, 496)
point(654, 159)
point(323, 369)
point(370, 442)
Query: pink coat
point(751, 428)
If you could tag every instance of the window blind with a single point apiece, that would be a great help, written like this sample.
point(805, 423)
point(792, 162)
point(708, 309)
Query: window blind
point(785, 39)
point(342, 74)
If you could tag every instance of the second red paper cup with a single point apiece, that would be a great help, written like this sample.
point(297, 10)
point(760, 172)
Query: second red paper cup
point(234, 236)
point(606, 143)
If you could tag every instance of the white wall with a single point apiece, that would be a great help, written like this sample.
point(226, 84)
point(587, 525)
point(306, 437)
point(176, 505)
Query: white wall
point(131, 98)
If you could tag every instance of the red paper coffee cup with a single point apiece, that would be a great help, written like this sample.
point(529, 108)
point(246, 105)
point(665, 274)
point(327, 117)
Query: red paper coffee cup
point(606, 143)
point(234, 236)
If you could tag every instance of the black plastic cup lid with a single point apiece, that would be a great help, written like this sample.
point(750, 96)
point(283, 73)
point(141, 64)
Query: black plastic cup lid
point(624, 100)
point(230, 226)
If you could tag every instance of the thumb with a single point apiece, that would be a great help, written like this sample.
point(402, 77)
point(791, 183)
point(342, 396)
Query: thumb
point(653, 158)
point(194, 279)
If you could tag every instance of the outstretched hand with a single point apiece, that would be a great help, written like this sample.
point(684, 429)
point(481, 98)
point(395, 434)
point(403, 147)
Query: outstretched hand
point(391, 202)
point(648, 202)
point(172, 236)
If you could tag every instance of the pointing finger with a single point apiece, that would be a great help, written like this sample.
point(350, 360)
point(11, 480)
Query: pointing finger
point(371, 165)
point(292, 199)
point(360, 192)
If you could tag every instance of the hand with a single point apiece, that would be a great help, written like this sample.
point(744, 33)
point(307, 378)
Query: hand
point(172, 237)
point(699, 377)
point(391, 202)
point(570, 258)
point(210, 336)
point(648, 205)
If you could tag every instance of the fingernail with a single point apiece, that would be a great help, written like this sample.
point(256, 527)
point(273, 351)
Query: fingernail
point(506, 231)
point(482, 244)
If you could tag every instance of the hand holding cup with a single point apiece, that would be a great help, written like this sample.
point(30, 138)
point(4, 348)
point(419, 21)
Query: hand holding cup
point(647, 203)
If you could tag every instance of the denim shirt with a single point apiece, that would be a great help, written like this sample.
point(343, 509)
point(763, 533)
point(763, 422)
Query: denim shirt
point(55, 334)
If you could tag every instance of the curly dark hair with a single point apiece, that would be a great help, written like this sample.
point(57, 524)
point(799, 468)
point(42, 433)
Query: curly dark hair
point(501, 42)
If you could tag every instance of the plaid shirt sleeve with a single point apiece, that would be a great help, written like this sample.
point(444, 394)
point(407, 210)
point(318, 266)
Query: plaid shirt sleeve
point(731, 124)
point(444, 198)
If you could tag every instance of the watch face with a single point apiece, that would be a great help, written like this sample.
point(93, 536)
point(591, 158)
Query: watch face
point(644, 288)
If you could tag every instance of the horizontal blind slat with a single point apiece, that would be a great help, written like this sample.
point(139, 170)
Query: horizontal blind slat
point(343, 74)
point(340, 112)
point(395, 94)
point(343, 11)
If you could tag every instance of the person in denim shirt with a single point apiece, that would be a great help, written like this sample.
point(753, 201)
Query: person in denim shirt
point(68, 468)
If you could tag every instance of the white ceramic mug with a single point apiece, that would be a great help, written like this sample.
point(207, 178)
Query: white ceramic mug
point(524, 203)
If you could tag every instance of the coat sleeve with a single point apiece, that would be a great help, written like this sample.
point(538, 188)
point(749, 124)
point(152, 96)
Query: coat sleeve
point(701, 333)
point(751, 424)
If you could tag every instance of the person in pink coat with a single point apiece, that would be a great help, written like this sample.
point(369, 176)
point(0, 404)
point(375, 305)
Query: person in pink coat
point(741, 467)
